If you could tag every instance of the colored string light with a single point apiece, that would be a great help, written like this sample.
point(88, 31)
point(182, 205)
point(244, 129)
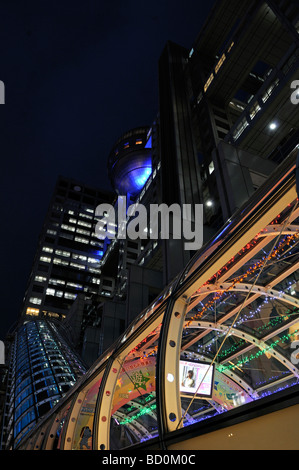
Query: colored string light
point(284, 242)
point(142, 412)
point(259, 353)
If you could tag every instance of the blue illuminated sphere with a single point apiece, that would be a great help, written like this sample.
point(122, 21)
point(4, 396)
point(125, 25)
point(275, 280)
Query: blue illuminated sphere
point(130, 162)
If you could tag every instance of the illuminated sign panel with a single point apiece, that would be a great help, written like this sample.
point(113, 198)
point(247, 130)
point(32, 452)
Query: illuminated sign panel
point(196, 377)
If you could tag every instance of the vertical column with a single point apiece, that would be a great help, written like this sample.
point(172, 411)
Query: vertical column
point(169, 403)
point(101, 426)
point(68, 428)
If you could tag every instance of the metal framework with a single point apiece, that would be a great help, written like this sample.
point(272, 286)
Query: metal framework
point(234, 308)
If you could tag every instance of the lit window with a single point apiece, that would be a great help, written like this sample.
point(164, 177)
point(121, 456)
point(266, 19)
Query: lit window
point(83, 232)
point(220, 62)
point(73, 284)
point(254, 110)
point(60, 261)
point(52, 314)
point(51, 232)
point(85, 215)
point(94, 243)
point(127, 145)
point(32, 311)
point(47, 249)
point(208, 82)
point(81, 240)
point(81, 257)
point(56, 282)
point(68, 227)
point(78, 266)
point(211, 168)
point(68, 295)
point(35, 300)
point(40, 279)
point(94, 271)
point(138, 142)
point(45, 259)
point(67, 254)
point(269, 91)
point(240, 128)
point(230, 47)
point(84, 224)
point(50, 291)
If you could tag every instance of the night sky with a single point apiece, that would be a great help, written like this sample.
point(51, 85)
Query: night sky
point(77, 75)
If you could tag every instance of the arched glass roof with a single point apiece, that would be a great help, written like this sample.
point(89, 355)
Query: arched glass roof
point(223, 335)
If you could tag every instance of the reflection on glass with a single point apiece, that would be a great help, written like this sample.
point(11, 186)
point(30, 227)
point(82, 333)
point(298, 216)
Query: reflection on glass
point(133, 414)
point(82, 439)
point(59, 429)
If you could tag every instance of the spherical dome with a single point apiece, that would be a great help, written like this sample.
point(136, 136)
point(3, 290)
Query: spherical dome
point(130, 162)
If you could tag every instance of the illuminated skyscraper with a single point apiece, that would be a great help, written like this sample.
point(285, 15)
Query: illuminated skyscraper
point(42, 368)
point(64, 276)
point(68, 255)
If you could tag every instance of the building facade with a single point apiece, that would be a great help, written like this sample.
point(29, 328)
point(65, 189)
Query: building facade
point(66, 267)
point(225, 122)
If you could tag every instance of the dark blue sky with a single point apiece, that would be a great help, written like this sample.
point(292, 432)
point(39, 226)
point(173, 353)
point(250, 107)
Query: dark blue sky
point(77, 75)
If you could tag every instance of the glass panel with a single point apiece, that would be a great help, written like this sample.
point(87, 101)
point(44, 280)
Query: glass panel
point(264, 193)
point(134, 417)
point(148, 312)
point(82, 439)
point(61, 421)
point(245, 322)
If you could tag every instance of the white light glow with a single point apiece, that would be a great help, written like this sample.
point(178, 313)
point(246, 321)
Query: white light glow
point(170, 377)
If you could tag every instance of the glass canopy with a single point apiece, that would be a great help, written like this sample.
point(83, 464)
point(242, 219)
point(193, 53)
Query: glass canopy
point(222, 336)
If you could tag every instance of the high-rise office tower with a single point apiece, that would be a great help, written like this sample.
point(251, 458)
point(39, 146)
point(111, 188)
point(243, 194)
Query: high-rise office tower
point(64, 276)
point(67, 260)
point(42, 368)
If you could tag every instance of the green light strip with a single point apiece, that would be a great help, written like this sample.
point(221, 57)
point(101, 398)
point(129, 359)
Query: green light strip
point(144, 411)
point(259, 353)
